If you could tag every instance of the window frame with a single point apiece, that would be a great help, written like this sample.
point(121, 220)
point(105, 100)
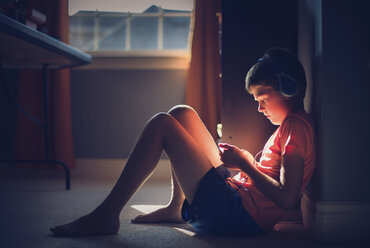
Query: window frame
point(177, 59)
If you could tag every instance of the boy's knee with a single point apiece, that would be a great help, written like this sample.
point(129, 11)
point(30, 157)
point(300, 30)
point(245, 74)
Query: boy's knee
point(180, 111)
point(161, 120)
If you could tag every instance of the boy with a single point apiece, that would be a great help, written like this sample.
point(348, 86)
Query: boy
point(204, 193)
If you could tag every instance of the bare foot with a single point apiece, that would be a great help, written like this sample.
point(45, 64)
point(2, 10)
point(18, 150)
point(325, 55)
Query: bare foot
point(87, 225)
point(167, 214)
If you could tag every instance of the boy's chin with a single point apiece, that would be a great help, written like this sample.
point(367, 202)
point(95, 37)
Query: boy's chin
point(274, 122)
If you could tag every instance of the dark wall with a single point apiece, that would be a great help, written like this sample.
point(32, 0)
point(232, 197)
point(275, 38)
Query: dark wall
point(110, 108)
point(334, 47)
point(309, 53)
point(7, 112)
point(248, 28)
point(345, 85)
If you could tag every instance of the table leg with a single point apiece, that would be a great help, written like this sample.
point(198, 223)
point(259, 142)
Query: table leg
point(45, 127)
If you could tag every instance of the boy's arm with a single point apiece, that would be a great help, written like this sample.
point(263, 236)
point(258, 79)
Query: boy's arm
point(248, 156)
point(285, 192)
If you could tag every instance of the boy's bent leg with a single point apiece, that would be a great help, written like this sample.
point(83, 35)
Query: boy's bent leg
point(170, 213)
point(189, 163)
point(190, 120)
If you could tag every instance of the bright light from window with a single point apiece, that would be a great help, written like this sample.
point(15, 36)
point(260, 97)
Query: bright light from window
point(187, 232)
point(146, 209)
point(127, 5)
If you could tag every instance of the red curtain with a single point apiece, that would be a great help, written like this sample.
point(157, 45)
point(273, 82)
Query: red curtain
point(203, 91)
point(29, 139)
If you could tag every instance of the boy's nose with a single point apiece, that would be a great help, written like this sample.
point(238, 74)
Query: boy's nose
point(260, 108)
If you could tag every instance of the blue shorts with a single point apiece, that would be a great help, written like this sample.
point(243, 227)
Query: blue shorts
point(217, 207)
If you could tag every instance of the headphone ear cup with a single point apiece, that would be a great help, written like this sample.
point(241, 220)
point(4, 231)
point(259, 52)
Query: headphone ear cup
point(288, 86)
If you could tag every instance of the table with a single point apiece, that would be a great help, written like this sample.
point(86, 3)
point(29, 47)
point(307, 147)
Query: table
point(22, 47)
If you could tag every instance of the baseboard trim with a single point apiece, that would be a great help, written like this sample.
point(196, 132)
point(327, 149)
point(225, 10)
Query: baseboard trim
point(336, 221)
point(110, 169)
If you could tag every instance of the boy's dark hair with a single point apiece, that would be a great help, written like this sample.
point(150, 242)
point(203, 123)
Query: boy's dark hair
point(262, 74)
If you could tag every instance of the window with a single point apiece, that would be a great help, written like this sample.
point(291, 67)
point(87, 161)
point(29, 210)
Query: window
point(154, 29)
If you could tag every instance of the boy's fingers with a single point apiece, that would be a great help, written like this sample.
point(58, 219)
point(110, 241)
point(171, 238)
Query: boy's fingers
point(225, 146)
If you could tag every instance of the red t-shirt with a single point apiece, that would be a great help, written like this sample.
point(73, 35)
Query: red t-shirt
point(296, 130)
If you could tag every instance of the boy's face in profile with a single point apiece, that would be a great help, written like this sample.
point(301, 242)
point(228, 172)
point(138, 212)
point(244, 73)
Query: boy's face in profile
point(271, 103)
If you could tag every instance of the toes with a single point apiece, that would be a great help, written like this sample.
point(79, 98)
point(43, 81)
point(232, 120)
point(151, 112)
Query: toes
point(56, 231)
point(137, 219)
point(60, 231)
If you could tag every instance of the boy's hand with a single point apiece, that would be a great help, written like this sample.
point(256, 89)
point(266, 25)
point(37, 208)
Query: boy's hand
point(233, 157)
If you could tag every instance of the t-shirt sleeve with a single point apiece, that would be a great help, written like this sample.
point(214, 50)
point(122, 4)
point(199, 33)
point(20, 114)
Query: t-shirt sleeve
point(297, 134)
